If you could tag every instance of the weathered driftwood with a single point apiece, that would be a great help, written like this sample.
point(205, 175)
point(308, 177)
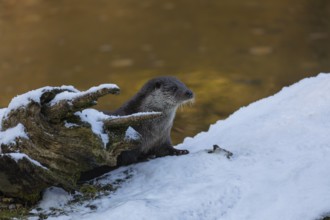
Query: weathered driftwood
point(62, 152)
point(129, 120)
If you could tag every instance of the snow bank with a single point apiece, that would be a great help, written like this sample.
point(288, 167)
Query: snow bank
point(280, 168)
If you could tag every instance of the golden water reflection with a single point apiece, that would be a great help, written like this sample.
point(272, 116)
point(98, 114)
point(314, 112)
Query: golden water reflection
point(230, 53)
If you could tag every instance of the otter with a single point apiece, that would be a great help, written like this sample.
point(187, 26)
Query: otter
point(162, 94)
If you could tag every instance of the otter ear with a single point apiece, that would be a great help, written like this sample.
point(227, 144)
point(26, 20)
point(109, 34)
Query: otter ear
point(158, 85)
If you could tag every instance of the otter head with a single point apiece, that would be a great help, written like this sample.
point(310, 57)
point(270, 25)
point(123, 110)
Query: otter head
point(165, 94)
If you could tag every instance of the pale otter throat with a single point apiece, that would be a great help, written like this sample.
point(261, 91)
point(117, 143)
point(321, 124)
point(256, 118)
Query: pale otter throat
point(161, 94)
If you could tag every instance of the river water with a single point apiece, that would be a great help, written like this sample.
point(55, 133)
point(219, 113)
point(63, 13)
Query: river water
point(230, 53)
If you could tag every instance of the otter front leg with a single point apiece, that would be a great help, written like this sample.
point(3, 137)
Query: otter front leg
point(166, 150)
point(177, 152)
point(128, 157)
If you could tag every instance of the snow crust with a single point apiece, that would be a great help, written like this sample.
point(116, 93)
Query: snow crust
point(20, 156)
point(69, 95)
point(70, 125)
point(33, 95)
point(8, 137)
point(94, 118)
point(131, 134)
point(280, 168)
point(2, 112)
point(55, 197)
point(136, 114)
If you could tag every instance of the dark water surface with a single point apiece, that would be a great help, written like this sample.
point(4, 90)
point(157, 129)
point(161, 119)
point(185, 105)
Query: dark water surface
point(230, 53)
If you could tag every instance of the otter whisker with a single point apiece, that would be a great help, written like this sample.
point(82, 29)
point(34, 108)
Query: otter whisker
point(189, 102)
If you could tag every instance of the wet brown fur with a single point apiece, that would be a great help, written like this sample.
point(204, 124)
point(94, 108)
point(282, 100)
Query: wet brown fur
point(161, 94)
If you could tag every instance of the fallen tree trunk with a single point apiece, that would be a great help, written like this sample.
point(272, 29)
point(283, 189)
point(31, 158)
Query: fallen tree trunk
point(49, 138)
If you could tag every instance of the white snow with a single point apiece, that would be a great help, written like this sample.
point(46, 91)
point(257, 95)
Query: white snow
point(131, 134)
point(20, 156)
point(136, 114)
point(34, 95)
point(280, 168)
point(69, 95)
point(8, 136)
point(102, 86)
point(55, 197)
point(95, 119)
point(2, 112)
point(70, 125)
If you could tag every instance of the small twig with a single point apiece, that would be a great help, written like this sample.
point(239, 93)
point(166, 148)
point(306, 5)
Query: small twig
point(217, 149)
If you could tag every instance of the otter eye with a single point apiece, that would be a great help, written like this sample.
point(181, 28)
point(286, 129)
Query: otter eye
point(157, 85)
point(174, 88)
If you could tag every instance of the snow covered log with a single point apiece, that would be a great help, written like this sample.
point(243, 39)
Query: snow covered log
point(49, 138)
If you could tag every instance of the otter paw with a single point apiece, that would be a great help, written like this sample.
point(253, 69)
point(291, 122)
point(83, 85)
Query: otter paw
point(179, 152)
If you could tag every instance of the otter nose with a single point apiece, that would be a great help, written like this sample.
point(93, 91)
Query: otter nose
point(189, 94)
